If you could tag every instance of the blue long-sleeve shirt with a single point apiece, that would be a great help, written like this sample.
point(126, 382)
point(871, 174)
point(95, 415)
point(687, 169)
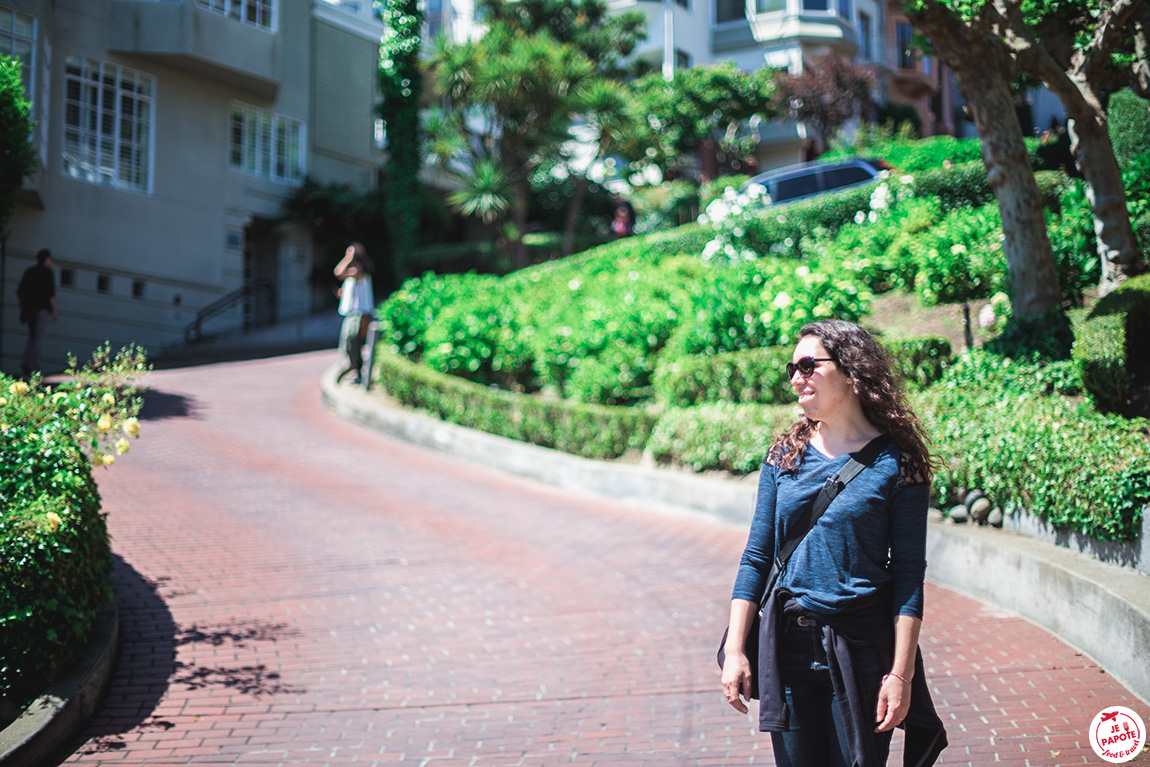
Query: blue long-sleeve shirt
point(873, 533)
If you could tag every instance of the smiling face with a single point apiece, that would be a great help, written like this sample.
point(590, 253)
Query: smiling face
point(827, 390)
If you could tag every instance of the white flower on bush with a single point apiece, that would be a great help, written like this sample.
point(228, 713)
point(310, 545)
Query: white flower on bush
point(881, 198)
point(729, 216)
point(884, 198)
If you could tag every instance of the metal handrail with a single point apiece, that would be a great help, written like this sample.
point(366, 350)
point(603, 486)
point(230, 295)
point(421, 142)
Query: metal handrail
point(194, 332)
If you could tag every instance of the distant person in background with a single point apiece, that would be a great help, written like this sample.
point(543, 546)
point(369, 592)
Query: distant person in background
point(356, 304)
point(37, 293)
point(623, 224)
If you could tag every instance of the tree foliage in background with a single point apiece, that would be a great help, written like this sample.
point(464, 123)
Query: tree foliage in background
point(17, 155)
point(1074, 47)
point(508, 100)
point(587, 25)
point(825, 95)
point(400, 87)
point(506, 103)
point(715, 104)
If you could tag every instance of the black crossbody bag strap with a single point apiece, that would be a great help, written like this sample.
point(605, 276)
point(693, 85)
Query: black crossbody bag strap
point(831, 488)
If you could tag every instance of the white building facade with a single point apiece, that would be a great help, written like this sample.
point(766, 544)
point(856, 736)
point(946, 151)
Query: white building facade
point(792, 35)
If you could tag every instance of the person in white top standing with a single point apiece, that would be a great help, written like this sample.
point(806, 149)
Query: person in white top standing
point(356, 304)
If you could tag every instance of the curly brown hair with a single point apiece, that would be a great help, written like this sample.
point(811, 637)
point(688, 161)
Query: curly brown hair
point(868, 365)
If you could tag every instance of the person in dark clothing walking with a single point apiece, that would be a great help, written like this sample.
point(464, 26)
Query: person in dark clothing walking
point(838, 662)
point(37, 293)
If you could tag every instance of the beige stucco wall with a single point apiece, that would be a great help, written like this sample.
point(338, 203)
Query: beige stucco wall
point(343, 120)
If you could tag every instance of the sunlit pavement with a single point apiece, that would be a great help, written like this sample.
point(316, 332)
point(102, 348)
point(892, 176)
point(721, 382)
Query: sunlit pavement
point(295, 589)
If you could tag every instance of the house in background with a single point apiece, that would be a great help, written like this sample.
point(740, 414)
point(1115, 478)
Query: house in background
point(793, 35)
point(170, 132)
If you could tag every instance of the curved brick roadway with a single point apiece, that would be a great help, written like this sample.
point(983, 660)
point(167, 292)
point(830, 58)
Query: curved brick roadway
point(298, 590)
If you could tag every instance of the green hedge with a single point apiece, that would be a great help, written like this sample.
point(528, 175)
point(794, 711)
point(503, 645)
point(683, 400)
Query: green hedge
point(996, 430)
point(592, 431)
point(1129, 129)
point(54, 557)
point(54, 550)
point(759, 375)
point(722, 436)
point(1104, 344)
point(780, 231)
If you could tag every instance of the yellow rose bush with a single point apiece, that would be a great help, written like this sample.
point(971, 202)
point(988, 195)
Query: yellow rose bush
point(54, 557)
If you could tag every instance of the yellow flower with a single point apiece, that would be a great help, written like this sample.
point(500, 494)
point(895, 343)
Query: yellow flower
point(109, 398)
point(132, 427)
point(53, 520)
point(18, 387)
point(3, 402)
point(107, 460)
point(58, 396)
point(122, 446)
point(104, 423)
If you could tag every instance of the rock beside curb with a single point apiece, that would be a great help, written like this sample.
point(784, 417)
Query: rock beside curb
point(52, 719)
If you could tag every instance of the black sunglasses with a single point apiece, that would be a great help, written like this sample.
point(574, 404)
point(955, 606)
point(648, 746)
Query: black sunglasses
point(805, 366)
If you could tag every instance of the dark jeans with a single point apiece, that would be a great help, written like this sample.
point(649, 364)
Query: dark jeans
point(37, 334)
point(817, 737)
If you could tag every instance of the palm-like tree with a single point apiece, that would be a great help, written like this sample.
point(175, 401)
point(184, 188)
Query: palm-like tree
point(506, 106)
point(606, 108)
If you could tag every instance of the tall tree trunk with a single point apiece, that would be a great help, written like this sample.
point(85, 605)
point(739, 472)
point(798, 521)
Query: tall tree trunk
point(984, 69)
point(1094, 156)
point(576, 206)
point(520, 212)
point(1141, 71)
point(401, 84)
point(573, 210)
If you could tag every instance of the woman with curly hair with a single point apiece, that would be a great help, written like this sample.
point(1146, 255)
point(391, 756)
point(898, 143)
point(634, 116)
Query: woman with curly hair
point(839, 664)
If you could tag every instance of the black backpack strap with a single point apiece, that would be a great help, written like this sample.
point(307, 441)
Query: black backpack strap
point(831, 488)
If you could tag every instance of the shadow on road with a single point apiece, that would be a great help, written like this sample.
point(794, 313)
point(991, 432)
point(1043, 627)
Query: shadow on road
point(160, 404)
point(147, 666)
point(146, 661)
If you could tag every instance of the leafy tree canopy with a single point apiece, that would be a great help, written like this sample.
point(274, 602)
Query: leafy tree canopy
point(602, 37)
point(711, 102)
point(826, 94)
point(17, 155)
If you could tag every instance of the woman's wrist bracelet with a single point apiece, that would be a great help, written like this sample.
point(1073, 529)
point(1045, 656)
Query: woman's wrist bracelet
point(900, 677)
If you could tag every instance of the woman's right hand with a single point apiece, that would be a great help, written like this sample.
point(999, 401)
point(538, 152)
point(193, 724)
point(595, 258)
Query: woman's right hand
point(736, 679)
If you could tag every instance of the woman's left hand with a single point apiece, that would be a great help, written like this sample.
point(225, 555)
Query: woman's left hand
point(893, 703)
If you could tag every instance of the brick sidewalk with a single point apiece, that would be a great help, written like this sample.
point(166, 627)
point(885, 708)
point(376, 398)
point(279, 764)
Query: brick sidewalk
point(297, 590)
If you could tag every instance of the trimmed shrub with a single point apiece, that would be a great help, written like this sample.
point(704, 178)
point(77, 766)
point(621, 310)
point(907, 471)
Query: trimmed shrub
point(1129, 129)
point(960, 257)
point(54, 557)
point(781, 229)
point(721, 436)
point(591, 431)
point(1064, 463)
point(1104, 348)
point(910, 154)
point(759, 375)
point(919, 361)
point(754, 376)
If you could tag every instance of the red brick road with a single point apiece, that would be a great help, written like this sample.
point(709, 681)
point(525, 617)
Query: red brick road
point(297, 590)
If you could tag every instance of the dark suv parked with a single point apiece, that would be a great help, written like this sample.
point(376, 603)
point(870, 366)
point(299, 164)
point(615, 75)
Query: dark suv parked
point(807, 179)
